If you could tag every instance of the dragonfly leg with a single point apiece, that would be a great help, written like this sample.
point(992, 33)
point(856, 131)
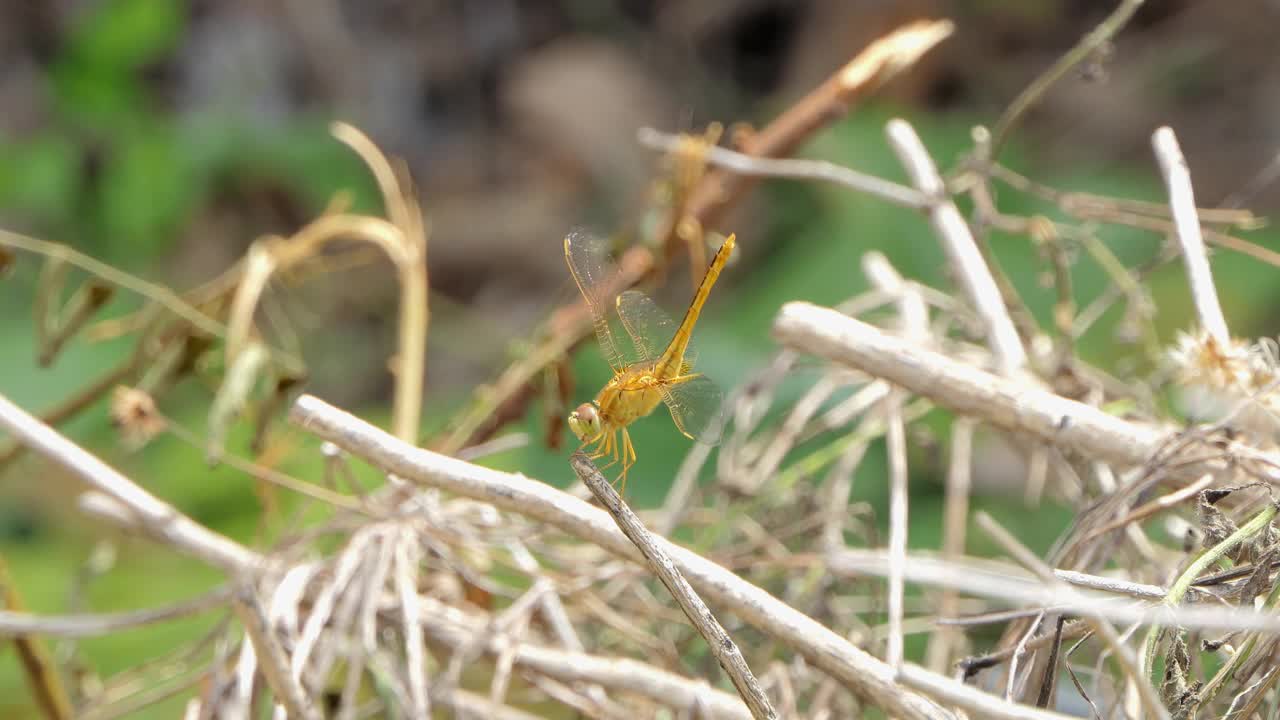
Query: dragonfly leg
point(594, 448)
point(608, 448)
point(628, 453)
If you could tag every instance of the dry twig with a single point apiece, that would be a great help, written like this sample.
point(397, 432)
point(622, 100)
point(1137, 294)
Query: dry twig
point(722, 645)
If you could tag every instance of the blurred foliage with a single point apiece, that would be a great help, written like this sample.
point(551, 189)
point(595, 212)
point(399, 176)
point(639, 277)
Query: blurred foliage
point(118, 175)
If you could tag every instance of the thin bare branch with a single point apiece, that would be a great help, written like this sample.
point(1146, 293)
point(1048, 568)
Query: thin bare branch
point(1177, 179)
point(92, 625)
point(961, 248)
point(795, 169)
point(271, 657)
point(965, 389)
point(722, 645)
point(153, 516)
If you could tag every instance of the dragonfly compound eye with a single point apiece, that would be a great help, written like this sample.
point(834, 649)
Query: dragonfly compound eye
point(585, 421)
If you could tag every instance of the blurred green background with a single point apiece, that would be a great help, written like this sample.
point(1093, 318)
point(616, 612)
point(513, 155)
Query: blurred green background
point(165, 136)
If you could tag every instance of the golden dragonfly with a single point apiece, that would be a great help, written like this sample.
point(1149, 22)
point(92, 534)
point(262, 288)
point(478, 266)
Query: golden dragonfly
point(645, 372)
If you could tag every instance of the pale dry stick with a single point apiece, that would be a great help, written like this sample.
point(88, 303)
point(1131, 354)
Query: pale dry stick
point(170, 666)
point(721, 644)
point(961, 248)
point(1177, 179)
point(969, 698)
point(914, 318)
point(271, 657)
point(873, 393)
point(552, 608)
point(838, 487)
point(865, 676)
point(1004, 585)
point(1142, 591)
point(498, 628)
point(363, 618)
point(964, 389)
point(896, 440)
point(468, 705)
point(338, 636)
point(348, 563)
point(287, 596)
point(453, 628)
point(500, 444)
point(96, 624)
point(784, 439)
point(151, 515)
point(1260, 690)
point(1088, 206)
point(677, 502)
point(407, 552)
point(384, 670)
point(970, 666)
point(1124, 657)
point(578, 701)
point(240, 692)
point(793, 169)
point(913, 312)
point(954, 518)
point(1164, 502)
point(152, 695)
point(500, 683)
point(1019, 649)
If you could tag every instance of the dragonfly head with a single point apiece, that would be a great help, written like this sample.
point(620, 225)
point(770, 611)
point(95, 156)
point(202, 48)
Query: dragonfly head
point(585, 421)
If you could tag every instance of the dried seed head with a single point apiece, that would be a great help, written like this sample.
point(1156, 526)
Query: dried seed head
point(134, 412)
point(1201, 360)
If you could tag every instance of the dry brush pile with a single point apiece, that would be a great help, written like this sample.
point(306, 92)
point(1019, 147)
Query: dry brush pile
point(459, 589)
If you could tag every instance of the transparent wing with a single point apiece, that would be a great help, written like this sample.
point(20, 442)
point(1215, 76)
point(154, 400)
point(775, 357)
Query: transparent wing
point(592, 270)
point(695, 408)
point(648, 325)
point(694, 402)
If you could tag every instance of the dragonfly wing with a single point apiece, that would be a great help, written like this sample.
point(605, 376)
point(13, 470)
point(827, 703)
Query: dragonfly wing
point(694, 401)
point(592, 270)
point(695, 407)
point(649, 327)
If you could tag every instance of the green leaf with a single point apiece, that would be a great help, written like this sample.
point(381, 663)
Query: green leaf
point(39, 176)
point(124, 35)
point(148, 187)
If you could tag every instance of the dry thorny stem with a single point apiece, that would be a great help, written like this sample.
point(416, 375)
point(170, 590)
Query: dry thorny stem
point(491, 594)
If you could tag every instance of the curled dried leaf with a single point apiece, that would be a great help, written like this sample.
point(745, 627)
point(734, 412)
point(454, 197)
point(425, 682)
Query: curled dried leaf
point(1257, 582)
point(233, 395)
point(1214, 524)
point(1176, 691)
